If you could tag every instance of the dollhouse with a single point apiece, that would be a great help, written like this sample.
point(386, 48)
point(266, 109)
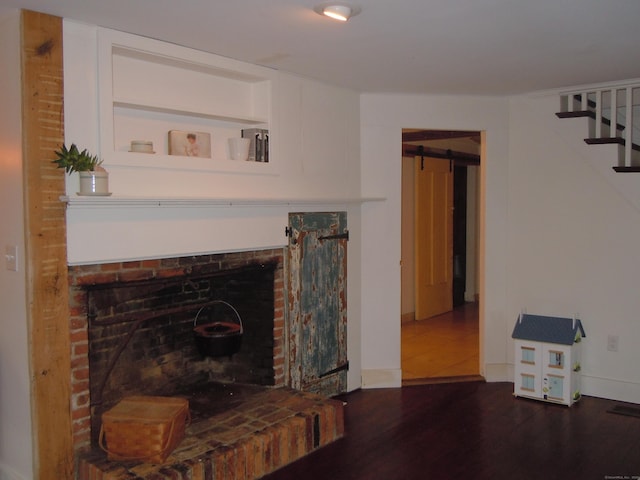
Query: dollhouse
point(547, 358)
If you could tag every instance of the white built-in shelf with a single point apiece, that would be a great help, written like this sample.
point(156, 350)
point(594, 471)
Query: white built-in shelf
point(194, 202)
point(148, 88)
point(159, 161)
point(186, 111)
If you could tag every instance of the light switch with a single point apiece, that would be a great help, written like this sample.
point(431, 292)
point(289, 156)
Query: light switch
point(11, 257)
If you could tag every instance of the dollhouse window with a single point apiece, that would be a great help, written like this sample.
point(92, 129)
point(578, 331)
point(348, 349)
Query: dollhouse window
point(528, 382)
point(528, 355)
point(556, 359)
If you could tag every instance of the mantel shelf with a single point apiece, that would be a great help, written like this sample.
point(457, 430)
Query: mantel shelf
point(194, 202)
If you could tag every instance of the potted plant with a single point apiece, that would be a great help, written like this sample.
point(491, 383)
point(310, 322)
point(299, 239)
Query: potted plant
point(94, 180)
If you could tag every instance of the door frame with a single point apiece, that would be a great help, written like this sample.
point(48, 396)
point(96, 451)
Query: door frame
point(479, 224)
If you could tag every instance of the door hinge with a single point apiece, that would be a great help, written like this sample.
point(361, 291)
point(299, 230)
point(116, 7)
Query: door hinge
point(337, 236)
point(344, 366)
point(288, 232)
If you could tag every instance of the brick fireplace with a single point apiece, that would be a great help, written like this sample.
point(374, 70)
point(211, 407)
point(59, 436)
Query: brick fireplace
point(132, 333)
point(158, 355)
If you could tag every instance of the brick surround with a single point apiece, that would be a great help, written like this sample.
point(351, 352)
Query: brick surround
point(83, 278)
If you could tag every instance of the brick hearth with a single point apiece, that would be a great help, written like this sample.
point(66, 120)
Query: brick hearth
point(265, 430)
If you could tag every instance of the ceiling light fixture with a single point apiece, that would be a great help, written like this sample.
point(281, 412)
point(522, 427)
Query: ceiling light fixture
point(337, 11)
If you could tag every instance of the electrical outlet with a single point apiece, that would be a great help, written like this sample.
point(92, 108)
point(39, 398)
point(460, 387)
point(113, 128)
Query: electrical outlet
point(612, 343)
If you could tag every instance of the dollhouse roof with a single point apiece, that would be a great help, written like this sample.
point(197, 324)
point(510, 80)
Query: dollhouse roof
point(547, 329)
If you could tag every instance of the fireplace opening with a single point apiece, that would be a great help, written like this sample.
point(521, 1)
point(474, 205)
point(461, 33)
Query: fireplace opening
point(141, 327)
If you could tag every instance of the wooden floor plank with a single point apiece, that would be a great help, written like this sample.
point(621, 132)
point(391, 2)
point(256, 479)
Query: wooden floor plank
point(473, 430)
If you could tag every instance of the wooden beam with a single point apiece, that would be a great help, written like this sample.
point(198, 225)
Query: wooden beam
point(45, 256)
point(459, 158)
point(427, 135)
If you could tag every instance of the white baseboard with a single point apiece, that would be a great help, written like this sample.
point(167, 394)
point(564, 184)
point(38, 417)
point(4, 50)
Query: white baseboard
point(591, 386)
point(610, 389)
point(382, 378)
point(498, 372)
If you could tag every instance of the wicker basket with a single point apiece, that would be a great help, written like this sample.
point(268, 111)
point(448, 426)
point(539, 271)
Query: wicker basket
point(144, 428)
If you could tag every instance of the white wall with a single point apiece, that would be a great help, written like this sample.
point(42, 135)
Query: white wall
point(382, 117)
point(315, 147)
point(15, 411)
point(559, 232)
point(573, 241)
point(316, 156)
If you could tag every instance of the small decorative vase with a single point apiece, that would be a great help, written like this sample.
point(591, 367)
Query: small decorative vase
point(94, 183)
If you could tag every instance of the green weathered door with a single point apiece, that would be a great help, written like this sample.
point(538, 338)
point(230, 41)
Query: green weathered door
point(318, 302)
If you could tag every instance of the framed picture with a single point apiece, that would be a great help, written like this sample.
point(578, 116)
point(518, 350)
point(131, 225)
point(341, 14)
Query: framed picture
point(189, 144)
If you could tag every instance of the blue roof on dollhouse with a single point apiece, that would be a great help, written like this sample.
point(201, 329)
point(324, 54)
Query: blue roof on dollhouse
point(547, 329)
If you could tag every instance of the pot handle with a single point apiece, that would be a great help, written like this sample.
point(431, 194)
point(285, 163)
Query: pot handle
point(195, 320)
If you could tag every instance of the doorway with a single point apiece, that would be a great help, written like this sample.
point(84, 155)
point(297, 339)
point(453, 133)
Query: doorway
point(444, 344)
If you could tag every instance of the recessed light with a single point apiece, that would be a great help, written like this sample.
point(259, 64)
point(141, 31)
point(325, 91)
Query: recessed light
point(337, 11)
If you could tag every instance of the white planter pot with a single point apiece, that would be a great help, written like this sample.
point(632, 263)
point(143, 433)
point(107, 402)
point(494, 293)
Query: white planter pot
point(94, 183)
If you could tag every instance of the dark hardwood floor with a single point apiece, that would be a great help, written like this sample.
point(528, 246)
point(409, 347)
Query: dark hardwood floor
point(476, 431)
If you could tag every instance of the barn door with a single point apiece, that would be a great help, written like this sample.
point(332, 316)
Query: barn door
point(433, 237)
point(318, 302)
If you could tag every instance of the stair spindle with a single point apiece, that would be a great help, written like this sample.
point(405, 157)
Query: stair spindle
point(613, 115)
point(598, 133)
point(628, 131)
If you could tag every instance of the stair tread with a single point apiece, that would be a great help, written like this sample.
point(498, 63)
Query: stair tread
point(627, 169)
point(605, 140)
point(576, 114)
point(611, 140)
point(591, 114)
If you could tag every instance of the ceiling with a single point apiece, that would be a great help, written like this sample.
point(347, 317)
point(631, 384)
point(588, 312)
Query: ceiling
point(479, 47)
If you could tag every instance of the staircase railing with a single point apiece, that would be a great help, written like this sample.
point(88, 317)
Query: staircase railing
point(614, 113)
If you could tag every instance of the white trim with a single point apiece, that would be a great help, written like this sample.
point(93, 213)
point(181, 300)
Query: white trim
point(498, 372)
point(611, 389)
point(382, 378)
point(129, 201)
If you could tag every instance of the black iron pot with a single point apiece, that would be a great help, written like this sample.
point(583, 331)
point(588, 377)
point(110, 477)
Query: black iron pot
point(218, 338)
